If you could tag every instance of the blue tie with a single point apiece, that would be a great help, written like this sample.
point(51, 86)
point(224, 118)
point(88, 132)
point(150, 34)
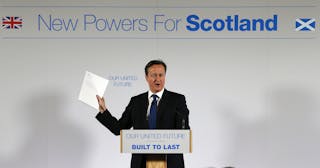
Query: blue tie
point(153, 113)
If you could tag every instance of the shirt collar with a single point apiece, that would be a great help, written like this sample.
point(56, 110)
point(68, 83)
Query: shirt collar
point(159, 94)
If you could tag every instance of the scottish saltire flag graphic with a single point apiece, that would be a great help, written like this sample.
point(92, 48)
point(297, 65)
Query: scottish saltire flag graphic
point(305, 24)
point(11, 22)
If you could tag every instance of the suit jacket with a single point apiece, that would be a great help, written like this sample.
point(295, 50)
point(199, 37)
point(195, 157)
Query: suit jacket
point(172, 113)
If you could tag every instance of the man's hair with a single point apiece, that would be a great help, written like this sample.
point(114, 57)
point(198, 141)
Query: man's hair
point(155, 62)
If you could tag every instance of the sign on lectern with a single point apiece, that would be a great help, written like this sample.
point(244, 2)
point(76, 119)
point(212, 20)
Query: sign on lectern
point(156, 141)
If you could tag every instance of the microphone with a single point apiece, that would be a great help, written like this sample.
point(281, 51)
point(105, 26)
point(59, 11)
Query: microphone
point(183, 124)
point(182, 118)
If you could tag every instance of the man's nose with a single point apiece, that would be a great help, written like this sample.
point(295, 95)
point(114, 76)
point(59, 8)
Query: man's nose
point(158, 77)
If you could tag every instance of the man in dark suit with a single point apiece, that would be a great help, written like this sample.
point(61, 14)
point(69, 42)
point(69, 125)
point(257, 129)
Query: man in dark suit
point(171, 112)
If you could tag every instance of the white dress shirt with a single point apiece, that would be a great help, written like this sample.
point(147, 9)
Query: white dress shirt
point(150, 98)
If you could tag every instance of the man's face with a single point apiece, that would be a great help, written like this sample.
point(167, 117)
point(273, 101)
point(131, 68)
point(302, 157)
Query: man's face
point(156, 78)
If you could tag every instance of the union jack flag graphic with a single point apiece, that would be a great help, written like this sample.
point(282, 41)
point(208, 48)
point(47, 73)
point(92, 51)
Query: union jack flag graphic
point(11, 22)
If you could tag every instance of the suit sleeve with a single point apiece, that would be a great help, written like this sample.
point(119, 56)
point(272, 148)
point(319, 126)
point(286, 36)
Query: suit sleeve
point(183, 113)
point(113, 124)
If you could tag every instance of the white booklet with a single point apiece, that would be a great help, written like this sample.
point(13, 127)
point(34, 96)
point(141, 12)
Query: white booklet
point(92, 85)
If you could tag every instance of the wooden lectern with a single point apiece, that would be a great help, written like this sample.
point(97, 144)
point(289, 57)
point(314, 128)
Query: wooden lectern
point(156, 161)
point(156, 144)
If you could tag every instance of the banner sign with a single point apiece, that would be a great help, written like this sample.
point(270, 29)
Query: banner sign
point(145, 22)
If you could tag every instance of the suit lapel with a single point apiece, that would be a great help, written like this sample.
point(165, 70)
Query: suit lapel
point(145, 109)
point(162, 104)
